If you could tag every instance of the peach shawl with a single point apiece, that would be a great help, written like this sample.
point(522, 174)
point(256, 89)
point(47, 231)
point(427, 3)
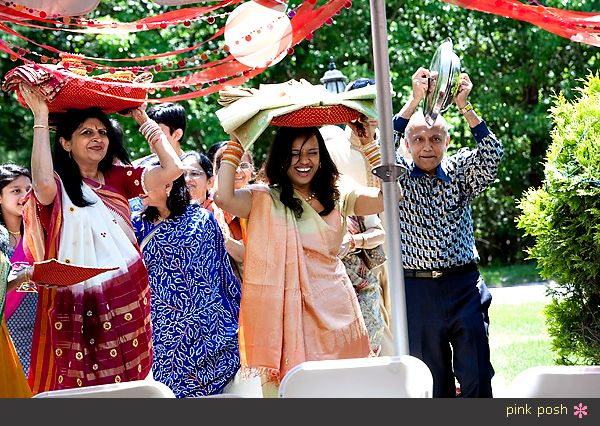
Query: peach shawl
point(297, 301)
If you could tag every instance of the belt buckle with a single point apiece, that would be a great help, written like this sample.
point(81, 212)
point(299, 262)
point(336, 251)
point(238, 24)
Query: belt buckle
point(436, 274)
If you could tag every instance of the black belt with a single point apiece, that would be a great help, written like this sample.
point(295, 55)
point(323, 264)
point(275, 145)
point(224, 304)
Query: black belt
point(439, 273)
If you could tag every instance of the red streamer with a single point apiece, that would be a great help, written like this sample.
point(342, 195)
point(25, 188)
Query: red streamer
point(582, 27)
point(207, 78)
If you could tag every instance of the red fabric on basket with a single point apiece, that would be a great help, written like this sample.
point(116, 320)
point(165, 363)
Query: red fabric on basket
point(315, 116)
point(64, 89)
point(53, 272)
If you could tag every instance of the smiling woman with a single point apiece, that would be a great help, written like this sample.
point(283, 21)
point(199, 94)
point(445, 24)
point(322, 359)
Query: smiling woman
point(295, 288)
point(98, 331)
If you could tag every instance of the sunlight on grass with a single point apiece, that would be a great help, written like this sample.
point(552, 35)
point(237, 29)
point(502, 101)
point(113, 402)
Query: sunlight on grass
point(504, 276)
point(518, 341)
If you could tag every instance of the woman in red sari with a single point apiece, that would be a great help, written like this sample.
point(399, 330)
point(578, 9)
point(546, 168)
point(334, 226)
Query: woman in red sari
point(98, 331)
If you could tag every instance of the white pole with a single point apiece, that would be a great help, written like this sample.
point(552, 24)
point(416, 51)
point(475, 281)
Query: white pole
point(389, 173)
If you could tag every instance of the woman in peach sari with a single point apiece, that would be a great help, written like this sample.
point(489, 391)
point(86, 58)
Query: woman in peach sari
point(297, 301)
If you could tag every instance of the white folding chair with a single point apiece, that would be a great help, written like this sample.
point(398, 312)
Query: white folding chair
point(135, 389)
point(242, 387)
point(559, 381)
point(379, 377)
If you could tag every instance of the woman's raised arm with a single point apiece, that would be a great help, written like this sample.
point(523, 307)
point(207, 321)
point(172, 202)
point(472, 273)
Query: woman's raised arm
point(42, 168)
point(238, 202)
point(170, 167)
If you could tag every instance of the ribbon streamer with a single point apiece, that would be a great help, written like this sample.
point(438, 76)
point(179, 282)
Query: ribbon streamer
point(582, 27)
point(204, 79)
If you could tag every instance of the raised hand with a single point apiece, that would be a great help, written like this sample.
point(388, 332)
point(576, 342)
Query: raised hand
point(36, 103)
point(464, 88)
point(362, 129)
point(138, 113)
point(420, 83)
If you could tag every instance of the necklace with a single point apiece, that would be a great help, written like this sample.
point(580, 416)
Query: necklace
point(307, 199)
point(16, 234)
point(310, 197)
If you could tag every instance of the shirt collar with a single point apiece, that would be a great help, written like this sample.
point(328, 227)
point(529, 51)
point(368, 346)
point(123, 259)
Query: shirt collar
point(440, 173)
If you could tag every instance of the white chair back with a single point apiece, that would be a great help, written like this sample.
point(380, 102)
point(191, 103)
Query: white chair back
point(381, 377)
point(136, 389)
point(559, 381)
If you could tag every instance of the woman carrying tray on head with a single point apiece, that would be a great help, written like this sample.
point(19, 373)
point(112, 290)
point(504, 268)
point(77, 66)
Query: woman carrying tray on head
point(99, 331)
point(297, 301)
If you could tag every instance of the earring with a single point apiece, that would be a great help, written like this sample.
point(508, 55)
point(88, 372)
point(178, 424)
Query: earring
point(319, 164)
point(70, 154)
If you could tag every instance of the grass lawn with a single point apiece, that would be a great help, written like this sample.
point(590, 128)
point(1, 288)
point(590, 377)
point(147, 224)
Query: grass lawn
point(518, 340)
point(505, 276)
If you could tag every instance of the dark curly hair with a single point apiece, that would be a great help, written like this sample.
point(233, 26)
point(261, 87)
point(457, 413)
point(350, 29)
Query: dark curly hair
point(66, 124)
point(279, 160)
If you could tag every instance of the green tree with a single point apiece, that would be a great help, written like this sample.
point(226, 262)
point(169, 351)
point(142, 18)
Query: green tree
point(564, 218)
point(515, 67)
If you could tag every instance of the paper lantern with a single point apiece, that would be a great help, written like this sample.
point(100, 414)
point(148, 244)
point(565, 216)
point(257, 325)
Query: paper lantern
point(259, 33)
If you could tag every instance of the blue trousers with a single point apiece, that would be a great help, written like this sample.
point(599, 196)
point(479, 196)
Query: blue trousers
point(447, 330)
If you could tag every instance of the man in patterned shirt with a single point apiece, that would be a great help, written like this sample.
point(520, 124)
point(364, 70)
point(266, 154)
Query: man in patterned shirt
point(446, 299)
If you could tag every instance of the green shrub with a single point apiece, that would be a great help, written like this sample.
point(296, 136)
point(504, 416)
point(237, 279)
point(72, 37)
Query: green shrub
point(563, 216)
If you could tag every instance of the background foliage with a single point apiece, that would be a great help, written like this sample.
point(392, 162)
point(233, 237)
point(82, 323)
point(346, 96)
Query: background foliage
point(564, 218)
point(516, 68)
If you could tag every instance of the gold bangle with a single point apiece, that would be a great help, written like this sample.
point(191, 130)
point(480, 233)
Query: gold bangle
point(468, 107)
point(40, 126)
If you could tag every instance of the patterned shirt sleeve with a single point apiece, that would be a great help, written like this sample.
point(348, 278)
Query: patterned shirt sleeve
point(479, 166)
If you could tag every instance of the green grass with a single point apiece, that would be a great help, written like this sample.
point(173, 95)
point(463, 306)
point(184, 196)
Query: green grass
point(506, 276)
point(518, 340)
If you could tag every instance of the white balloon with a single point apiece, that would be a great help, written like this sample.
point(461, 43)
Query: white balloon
point(258, 35)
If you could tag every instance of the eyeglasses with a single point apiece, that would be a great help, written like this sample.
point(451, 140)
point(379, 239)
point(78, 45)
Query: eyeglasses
point(194, 174)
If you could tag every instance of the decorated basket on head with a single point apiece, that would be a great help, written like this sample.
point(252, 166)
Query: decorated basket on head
point(67, 85)
point(246, 113)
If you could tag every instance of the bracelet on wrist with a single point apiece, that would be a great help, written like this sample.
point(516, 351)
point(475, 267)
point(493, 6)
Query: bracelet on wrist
point(233, 154)
point(468, 107)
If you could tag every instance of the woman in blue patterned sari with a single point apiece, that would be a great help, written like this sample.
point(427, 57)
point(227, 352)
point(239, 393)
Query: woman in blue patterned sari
point(195, 295)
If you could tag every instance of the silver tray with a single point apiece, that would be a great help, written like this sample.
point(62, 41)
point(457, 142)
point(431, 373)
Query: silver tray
point(443, 82)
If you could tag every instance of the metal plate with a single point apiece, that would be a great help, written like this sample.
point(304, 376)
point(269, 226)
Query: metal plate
point(443, 82)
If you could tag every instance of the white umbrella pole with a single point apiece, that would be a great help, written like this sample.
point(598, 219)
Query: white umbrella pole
point(388, 172)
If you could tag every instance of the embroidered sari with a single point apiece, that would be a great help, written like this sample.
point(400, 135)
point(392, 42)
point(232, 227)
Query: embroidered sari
point(98, 331)
point(19, 314)
point(13, 383)
point(195, 302)
point(366, 286)
point(298, 303)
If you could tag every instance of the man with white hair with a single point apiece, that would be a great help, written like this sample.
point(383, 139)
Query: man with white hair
point(446, 299)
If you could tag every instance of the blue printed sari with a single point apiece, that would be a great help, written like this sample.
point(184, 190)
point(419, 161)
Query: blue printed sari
point(195, 302)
